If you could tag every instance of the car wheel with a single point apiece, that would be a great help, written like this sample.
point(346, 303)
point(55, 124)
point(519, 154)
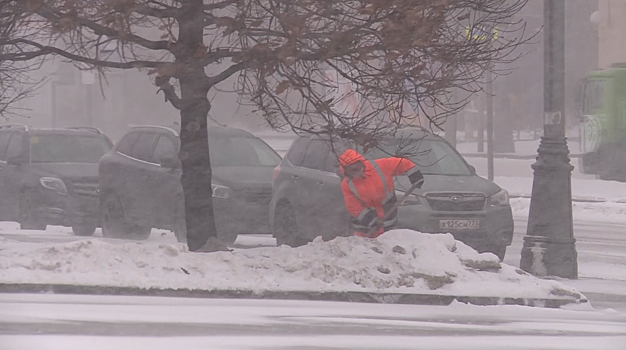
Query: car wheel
point(84, 229)
point(27, 218)
point(286, 228)
point(115, 225)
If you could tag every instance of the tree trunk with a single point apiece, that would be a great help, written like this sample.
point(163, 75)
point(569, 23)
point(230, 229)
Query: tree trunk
point(194, 150)
point(196, 163)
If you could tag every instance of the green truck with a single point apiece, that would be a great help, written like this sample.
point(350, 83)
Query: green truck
point(603, 128)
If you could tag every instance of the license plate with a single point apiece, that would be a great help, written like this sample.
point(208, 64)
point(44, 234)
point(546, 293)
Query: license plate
point(459, 224)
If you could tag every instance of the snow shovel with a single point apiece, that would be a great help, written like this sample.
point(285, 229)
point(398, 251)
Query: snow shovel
point(395, 207)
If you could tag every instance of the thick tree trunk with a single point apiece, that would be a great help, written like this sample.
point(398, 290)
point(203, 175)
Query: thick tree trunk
point(194, 110)
point(196, 163)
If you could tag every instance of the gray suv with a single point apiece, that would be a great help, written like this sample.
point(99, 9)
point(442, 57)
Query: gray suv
point(307, 200)
point(50, 176)
point(140, 183)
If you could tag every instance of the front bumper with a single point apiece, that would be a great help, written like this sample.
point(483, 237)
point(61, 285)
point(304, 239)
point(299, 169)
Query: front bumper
point(495, 224)
point(69, 210)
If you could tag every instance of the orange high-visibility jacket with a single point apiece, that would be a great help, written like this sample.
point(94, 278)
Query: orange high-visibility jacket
point(362, 195)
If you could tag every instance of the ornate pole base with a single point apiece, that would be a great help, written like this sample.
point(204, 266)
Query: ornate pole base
point(549, 245)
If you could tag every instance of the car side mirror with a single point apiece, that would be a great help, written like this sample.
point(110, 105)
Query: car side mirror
point(170, 163)
point(473, 169)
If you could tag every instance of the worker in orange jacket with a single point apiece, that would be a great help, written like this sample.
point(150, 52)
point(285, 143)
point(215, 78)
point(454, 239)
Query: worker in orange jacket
point(369, 192)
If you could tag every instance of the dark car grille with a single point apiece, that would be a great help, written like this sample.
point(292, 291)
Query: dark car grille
point(85, 188)
point(456, 201)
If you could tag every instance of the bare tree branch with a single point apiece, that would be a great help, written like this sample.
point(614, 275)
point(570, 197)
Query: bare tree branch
point(225, 74)
point(69, 19)
point(48, 50)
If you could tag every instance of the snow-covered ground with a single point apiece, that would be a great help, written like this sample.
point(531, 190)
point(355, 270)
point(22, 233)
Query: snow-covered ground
point(594, 200)
point(401, 261)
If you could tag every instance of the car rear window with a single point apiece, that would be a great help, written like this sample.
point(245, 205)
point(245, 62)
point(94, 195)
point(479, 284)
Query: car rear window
point(143, 148)
point(241, 151)
point(315, 156)
point(4, 143)
point(296, 153)
point(67, 148)
point(126, 144)
point(164, 149)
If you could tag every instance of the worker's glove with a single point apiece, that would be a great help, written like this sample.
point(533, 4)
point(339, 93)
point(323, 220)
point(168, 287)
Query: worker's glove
point(376, 223)
point(416, 177)
point(370, 218)
point(374, 227)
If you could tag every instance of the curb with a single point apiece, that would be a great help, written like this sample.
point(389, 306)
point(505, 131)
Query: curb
point(359, 297)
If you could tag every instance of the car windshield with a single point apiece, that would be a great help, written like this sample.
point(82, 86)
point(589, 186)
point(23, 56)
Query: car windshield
point(241, 151)
point(433, 157)
point(67, 148)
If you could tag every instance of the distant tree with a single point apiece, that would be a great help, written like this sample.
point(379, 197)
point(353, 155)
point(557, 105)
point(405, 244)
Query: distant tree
point(394, 60)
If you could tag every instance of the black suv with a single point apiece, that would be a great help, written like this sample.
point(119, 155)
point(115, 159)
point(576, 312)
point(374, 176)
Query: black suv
point(308, 202)
point(50, 177)
point(141, 189)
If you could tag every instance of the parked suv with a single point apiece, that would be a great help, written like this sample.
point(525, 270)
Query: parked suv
point(50, 176)
point(307, 200)
point(141, 189)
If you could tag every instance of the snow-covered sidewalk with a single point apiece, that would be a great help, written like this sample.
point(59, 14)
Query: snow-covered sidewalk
point(593, 200)
point(397, 267)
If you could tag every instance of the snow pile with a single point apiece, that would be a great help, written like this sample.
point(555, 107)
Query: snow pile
point(400, 261)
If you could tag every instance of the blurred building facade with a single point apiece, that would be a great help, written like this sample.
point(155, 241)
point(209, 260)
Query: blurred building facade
point(610, 21)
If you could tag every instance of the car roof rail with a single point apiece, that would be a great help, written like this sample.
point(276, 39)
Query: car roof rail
point(86, 128)
point(158, 127)
point(416, 127)
point(14, 126)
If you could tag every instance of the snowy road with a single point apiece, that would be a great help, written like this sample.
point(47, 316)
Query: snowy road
point(51, 322)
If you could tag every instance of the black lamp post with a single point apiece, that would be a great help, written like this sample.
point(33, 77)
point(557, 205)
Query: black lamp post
point(549, 245)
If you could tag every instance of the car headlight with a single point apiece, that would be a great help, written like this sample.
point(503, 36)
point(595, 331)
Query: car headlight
point(500, 198)
point(54, 184)
point(410, 200)
point(220, 191)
